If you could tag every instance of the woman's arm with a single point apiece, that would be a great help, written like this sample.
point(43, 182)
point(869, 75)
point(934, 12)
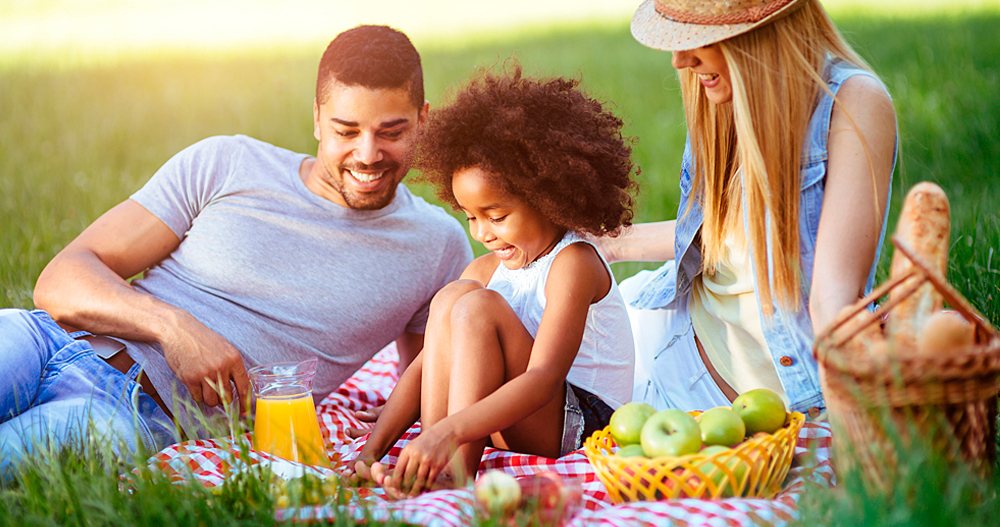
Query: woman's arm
point(642, 242)
point(855, 198)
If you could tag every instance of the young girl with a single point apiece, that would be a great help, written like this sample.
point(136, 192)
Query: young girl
point(784, 186)
point(531, 349)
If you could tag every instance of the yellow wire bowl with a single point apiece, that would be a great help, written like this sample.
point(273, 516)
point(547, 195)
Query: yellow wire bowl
point(754, 468)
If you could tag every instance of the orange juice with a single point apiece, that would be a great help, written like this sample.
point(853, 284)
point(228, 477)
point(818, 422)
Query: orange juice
point(287, 427)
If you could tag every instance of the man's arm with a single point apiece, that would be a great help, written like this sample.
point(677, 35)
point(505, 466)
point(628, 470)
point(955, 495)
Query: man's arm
point(85, 286)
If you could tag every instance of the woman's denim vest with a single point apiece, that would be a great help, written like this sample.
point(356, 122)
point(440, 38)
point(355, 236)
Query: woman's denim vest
point(789, 334)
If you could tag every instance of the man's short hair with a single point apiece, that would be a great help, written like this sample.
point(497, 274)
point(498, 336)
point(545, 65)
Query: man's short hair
point(374, 57)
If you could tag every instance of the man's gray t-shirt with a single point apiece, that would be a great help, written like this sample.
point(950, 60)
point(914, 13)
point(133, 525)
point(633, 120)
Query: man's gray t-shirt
point(283, 274)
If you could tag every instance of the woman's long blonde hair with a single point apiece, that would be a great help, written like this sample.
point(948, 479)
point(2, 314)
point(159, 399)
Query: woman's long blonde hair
point(776, 75)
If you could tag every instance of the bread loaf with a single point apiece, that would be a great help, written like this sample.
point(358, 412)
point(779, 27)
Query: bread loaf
point(924, 224)
point(945, 332)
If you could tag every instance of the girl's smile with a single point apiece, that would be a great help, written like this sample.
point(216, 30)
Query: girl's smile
point(516, 232)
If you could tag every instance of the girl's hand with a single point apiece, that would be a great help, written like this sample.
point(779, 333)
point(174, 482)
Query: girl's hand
point(363, 469)
point(420, 463)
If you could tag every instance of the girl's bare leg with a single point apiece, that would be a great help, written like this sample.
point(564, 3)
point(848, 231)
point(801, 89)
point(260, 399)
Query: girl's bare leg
point(489, 346)
point(437, 362)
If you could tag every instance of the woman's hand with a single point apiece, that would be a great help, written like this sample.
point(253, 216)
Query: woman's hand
point(421, 462)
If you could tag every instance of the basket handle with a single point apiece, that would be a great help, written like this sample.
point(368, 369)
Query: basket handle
point(921, 272)
point(984, 330)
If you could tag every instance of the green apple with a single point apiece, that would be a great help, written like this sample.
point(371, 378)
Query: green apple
point(716, 474)
point(761, 410)
point(721, 426)
point(626, 422)
point(711, 450)
point(634, 450)
point(670, 433)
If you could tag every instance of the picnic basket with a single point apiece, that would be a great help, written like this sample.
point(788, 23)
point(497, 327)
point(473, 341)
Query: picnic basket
point(753, 468)
point(877, 399)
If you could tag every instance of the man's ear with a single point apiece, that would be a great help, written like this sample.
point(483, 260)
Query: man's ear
point(422, 116)
point(316, 119)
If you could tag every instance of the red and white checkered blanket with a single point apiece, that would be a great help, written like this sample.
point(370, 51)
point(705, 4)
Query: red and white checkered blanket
point(209, 461)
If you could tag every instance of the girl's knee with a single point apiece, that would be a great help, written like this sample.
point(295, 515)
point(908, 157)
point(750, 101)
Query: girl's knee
point(446, 297)
point(477, 306)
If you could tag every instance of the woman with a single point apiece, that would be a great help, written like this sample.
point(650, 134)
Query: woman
point(784, 189)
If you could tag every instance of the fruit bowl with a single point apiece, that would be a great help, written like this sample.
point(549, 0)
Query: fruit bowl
point(754, 468)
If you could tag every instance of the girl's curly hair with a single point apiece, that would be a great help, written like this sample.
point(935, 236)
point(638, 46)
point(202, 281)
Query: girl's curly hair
point(542, 141)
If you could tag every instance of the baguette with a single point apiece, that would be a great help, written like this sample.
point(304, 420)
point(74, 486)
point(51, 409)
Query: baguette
point(924, 224)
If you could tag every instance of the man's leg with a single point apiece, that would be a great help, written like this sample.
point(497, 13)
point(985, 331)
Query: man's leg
point(24, 352)
point(65, 392)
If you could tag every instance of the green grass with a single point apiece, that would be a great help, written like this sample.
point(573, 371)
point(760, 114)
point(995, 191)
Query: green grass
point(928, 491)
point(77, 139)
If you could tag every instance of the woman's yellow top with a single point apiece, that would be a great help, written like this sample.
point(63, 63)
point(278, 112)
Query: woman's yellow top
point(726, 319)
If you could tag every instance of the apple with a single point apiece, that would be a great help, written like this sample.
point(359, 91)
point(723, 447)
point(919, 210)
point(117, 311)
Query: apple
point(717, 474)
point(631, 451)
point(761, 410)
point(626, 422)
point(677, 488)
point(550, 497)
point(721, 426)
point(497, 492)
point(670, 433)
point(711, 450)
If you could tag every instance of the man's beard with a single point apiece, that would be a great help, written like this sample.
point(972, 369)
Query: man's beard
point(365, 200)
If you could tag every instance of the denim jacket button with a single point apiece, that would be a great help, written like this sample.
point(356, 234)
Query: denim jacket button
point(814, 412)
point(785, 361)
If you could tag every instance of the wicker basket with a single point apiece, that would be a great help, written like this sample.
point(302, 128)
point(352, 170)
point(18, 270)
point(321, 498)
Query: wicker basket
point(755, 468)
point(876, 400)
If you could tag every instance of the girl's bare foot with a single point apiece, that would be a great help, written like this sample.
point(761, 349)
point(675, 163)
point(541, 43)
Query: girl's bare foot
point(444, 481)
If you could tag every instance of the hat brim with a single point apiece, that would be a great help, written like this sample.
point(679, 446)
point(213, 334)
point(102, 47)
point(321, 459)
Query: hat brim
point(654, 30)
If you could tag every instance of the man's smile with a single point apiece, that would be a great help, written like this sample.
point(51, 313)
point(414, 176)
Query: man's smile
point(367, 177)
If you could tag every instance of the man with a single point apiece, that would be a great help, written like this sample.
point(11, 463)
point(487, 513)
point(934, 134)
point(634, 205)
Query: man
point(250, 254)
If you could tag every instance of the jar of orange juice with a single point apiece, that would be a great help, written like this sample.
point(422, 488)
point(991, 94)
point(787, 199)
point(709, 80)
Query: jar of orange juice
point(285, 422)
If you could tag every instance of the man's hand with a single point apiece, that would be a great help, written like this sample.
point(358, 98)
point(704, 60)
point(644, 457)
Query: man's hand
point(368, 415)
point(206, 363)
point(86, 286)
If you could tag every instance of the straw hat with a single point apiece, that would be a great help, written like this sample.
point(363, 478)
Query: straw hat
point(677, 25)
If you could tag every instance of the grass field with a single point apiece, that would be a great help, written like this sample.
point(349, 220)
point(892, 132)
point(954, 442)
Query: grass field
point(80, 137)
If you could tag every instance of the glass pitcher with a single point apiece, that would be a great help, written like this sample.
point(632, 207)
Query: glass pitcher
point(285, 423)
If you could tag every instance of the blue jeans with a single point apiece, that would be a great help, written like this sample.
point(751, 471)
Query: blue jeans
point(55, 390)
